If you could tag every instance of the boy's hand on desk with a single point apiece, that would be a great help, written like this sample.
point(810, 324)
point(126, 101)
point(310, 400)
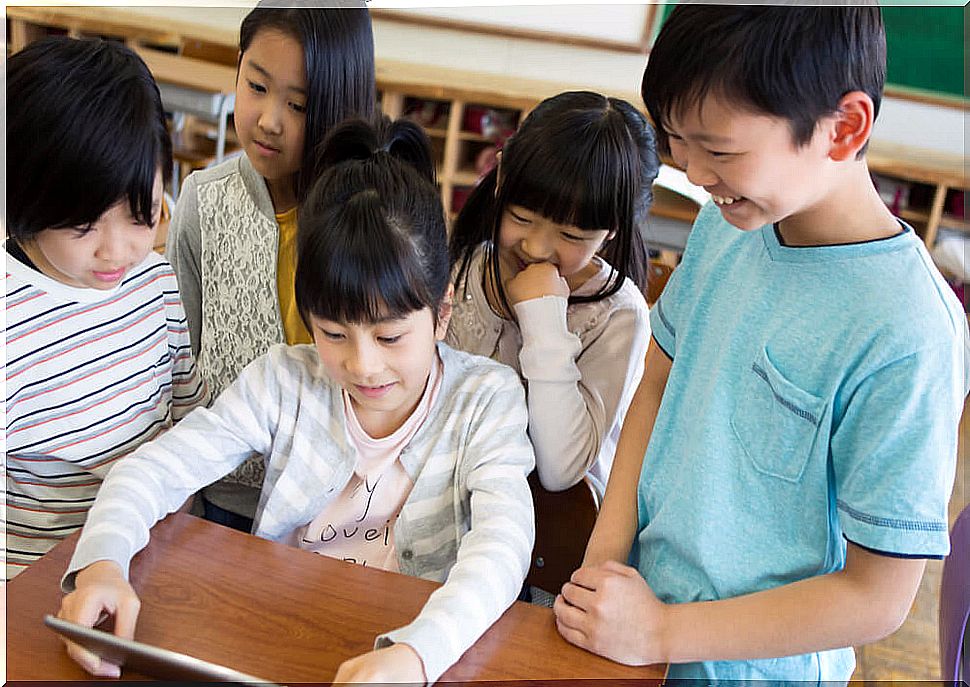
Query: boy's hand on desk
point(535, 281)
point(398, 663)
point(610, 610)
point(100, 588)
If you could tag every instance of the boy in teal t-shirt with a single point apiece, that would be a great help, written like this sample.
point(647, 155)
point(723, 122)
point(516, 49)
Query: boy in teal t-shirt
point(784, 470)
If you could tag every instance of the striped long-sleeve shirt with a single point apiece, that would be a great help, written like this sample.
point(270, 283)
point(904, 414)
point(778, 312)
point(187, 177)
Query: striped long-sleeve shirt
point(90, 375)
point(468, 521)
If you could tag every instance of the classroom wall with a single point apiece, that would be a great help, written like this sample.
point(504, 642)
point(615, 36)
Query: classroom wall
point(900, 121)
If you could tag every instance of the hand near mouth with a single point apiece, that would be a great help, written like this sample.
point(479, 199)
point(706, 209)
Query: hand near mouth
point(535, 281)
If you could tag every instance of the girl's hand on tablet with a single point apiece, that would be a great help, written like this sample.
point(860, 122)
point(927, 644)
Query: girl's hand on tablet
point(100, 590)
point(396, 663)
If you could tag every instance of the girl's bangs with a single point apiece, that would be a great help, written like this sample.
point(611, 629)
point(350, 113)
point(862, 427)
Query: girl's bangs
point(361, 275)
point(360, 291)
point(580, 186)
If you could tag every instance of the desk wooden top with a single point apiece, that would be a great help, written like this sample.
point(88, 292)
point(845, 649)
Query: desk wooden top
point(187, 71)
point(918, 164)
point(281, 613)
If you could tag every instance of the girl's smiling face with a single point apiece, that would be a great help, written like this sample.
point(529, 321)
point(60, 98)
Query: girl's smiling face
point(270, 114)
point(384, 365)
point(526, 237)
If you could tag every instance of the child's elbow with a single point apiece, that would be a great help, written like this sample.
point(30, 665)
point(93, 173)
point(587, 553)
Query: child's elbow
point(556, 480)
point(885, 619)
point(890, 619)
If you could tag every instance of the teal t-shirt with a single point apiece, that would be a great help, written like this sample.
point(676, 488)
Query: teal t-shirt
point(814, 398)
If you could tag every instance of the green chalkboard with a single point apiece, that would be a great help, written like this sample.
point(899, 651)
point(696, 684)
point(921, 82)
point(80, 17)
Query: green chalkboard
point(925, 46)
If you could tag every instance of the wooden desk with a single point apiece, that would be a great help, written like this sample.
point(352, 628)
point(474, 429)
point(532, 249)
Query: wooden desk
point(281, 613)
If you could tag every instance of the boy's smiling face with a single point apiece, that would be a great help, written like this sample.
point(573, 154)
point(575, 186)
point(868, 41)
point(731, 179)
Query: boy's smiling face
point(749, 162)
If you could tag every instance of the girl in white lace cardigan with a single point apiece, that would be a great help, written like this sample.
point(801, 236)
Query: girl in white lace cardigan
point(233, 231)
point(549, 271)
point(436, 437)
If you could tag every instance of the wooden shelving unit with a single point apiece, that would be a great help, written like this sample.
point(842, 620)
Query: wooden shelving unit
point(941, 172)
point(399, 83)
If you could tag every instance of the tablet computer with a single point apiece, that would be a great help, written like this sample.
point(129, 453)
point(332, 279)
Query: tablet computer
point(147, 659)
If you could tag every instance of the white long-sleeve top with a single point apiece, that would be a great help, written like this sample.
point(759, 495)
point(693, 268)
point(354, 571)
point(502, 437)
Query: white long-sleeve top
point(90, 375)
point(580, 364)
point(468, 521)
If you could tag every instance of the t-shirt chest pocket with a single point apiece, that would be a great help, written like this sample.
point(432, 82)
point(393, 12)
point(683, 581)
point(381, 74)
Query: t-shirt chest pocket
point(776, 421)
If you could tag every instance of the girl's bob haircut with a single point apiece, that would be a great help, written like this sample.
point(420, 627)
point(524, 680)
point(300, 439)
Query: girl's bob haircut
point(338, 53)
point(581, 159)
point(371, 242)
point(85, 131)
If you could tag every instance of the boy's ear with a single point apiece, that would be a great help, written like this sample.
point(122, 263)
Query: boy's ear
point(852, 126)
point(444, 313)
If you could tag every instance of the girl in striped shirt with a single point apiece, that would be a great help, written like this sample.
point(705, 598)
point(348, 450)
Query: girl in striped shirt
point(98, 359)
point(382, 445)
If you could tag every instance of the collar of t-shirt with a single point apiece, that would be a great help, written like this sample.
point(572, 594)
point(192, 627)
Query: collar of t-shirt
point(375, 455)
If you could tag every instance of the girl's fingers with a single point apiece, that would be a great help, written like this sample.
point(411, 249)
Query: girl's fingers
point(92, 663)
point(126, 617)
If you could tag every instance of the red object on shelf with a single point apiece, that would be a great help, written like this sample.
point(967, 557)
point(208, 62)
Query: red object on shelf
point(957, 205)
point(458, 198)
point(474, 114)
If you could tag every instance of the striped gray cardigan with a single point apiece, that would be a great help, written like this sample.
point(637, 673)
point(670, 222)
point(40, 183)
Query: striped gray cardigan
point(283, 408)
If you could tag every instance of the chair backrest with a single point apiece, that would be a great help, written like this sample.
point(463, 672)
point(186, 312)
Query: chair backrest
point(955, 602)
point(564, 521)
point(657, 275)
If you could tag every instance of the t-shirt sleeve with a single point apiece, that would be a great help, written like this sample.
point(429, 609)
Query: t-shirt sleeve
point(663, 314)
point(894, 453)
point(666, 314)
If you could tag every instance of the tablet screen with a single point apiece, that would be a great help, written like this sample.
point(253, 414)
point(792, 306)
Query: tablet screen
point(147, 659)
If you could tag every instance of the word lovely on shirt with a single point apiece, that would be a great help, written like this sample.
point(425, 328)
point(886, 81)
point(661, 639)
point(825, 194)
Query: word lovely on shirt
point(354, 529)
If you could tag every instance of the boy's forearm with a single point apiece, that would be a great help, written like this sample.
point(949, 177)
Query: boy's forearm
point(616, 525)
point(847, 608)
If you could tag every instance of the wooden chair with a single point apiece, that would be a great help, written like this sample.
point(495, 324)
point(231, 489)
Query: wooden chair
point(564, 522)
point(657, 275)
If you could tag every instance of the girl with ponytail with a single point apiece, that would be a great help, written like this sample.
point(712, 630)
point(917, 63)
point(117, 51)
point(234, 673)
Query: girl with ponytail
point(383, 446)
point(549, 270)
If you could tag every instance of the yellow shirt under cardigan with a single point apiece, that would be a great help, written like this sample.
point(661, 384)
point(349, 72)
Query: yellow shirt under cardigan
point(293, 327)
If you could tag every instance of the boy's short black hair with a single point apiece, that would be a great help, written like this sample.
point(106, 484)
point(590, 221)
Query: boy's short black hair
point(786, 61)
point(85, 130)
